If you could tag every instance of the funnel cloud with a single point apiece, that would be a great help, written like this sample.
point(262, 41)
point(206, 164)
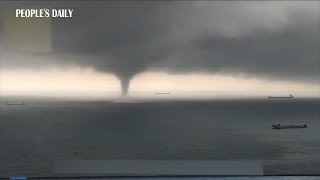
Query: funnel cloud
point(269, 39)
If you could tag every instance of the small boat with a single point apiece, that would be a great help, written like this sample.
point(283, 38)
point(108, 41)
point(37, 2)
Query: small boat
point(15, 103)
point(281, 96)
point(279, 126)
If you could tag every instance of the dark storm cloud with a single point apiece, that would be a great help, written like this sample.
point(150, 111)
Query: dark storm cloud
point(269, 39)
point(290, 55)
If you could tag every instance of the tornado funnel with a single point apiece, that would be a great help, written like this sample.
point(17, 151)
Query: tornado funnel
point(125, 83)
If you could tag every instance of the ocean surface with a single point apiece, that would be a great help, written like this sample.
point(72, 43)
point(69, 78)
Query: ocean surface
point(34, 135)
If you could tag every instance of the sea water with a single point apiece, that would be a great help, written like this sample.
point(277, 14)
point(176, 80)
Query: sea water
point(33, 136)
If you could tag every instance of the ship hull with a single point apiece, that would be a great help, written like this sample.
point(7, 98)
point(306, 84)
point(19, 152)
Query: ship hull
point(271, 97)
point(14, 104)
point(288, 126)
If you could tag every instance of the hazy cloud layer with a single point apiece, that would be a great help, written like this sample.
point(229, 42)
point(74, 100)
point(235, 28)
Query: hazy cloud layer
point(269, 39)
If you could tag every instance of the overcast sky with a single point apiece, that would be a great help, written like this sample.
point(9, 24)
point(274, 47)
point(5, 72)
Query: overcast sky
point(273, 40)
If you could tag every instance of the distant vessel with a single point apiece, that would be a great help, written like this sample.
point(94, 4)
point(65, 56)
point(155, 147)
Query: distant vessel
point(15, 103)
point(281, 96)
point(279, 126)
point(162, 93)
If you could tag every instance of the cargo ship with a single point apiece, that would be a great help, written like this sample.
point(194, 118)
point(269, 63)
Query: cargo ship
point(279, 126)
point(163, 93)
point(282, 97)
point(15, 103)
